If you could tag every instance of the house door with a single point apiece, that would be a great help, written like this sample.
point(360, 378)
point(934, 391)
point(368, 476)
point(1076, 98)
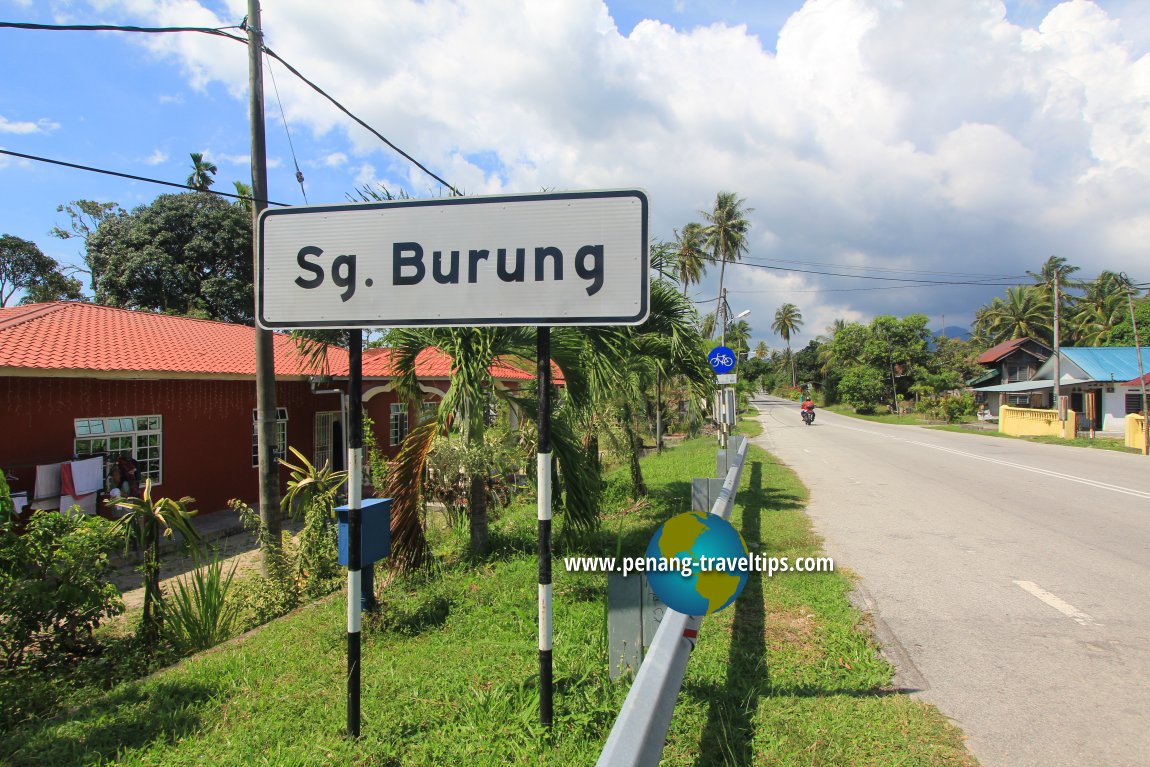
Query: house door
point(329, 440)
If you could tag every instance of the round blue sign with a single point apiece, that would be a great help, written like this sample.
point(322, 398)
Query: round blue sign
point(722, 359)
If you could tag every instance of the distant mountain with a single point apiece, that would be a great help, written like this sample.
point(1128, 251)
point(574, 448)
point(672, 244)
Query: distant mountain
point(955, 331)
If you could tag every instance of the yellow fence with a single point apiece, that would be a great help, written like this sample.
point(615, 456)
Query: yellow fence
point(1135, 431)
point(1030, 422)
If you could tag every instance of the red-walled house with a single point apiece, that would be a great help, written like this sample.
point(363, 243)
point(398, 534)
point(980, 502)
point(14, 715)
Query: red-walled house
point(178, 394)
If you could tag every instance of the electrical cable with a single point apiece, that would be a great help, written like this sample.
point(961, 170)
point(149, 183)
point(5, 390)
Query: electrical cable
point(291, 146)
point(220, 32)
point(863, 276)
point(134, 178)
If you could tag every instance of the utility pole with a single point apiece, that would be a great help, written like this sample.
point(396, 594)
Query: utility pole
point(1057, 354)
point(1141, 370)
point(265, 343)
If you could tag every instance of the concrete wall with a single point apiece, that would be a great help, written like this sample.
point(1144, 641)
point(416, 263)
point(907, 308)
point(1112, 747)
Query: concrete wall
point(1030, 422)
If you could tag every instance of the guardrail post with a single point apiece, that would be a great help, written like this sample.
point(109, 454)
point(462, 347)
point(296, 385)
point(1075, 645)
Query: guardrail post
point(640, 731)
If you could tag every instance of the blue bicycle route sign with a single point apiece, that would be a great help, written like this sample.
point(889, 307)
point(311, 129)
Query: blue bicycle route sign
point(722, 359)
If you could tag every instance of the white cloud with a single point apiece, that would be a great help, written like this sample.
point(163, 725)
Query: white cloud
point(936, 136)
point(43, 125)
point(157, 157)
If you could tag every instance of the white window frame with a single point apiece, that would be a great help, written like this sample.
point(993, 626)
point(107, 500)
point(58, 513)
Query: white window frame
point(1018, 400)
point(106, 435)
point(280, 450)
point(397, 414)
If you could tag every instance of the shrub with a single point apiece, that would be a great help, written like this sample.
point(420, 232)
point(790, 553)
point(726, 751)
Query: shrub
point(53, 585)
point(862, 387)
point(197, 614)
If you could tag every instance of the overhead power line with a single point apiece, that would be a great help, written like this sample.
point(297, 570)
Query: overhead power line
point(983, 282)
point(221, 32)
point(106, 172)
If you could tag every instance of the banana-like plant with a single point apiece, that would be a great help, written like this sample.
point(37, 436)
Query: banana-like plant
point(143, 520)
point(309, 484)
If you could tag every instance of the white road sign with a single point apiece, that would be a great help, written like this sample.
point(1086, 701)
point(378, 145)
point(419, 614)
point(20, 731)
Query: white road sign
point(577, 258)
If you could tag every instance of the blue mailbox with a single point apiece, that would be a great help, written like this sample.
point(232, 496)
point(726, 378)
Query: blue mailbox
point(375, 531)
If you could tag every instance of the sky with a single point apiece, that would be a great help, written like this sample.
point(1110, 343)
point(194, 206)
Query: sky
point(951, 141)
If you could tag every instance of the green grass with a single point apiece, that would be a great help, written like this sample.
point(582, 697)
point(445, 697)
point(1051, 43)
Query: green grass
point(1098, 443)
point(784, 676)
point(902, 420)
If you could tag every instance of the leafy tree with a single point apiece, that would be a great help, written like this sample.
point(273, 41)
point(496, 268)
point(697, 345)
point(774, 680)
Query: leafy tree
point(84, 218)
point(726, 233)
point(202, 172)
point(690, 255)
point(895, 343)
point(188, 254)
point(1123, 333)
point(24, 267)
point(788, 319)
point(862, 387)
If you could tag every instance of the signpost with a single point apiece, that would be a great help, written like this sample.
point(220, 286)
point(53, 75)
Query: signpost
point(578, 258)
point(722, 359)
point(575, 258)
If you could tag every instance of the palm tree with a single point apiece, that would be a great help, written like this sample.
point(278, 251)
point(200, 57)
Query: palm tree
point(726, 236)
point(1101, 308)
point(690, 256)
point(739, 336)
point(761, 350)
point(1026, 313)
point(202, 172)
point(143, 520)
point(788, 319)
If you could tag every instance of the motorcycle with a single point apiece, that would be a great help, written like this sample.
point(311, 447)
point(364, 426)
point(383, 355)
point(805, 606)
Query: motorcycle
point(808, 417)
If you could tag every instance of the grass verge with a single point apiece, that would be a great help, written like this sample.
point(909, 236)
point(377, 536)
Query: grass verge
point(783, 677)
point(1098, 443)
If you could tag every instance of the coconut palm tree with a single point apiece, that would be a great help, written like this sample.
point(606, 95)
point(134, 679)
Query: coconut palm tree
point(761, 350)
point(690, 255)
point(739, 336)
point(202, 172)
point(143, 520)
point(788, 319)
point(1101, 308)
point(726, 235)
point(1026, 313)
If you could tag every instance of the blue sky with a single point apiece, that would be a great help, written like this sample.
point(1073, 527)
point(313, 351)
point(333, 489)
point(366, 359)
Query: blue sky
point(870, 137)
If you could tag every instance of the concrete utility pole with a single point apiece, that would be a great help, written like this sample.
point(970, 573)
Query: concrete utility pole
point(265, 349)
point(1057, 355)
point(1141, 370)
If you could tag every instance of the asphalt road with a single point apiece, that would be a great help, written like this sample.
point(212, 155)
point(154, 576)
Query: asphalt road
point(1009, 580)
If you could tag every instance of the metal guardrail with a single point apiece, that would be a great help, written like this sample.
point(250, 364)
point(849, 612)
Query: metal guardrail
point(640, 730)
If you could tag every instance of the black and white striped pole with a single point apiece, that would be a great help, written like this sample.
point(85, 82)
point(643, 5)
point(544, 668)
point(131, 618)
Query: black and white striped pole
point(354, 524)
point(543, 473)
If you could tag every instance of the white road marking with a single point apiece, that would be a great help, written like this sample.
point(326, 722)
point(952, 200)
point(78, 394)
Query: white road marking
point(1000, 462)
point(1036, 470)
point(1069, 610)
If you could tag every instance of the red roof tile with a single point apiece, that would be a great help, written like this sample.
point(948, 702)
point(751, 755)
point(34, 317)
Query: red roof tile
point(65, 336)
point(79, 337)
point(435, 363)
point(1139, 381)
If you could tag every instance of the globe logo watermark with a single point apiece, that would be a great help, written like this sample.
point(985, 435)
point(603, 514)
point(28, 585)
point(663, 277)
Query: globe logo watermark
point(703, 563)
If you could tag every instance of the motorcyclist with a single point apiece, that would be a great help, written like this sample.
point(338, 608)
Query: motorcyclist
point(808, 407)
